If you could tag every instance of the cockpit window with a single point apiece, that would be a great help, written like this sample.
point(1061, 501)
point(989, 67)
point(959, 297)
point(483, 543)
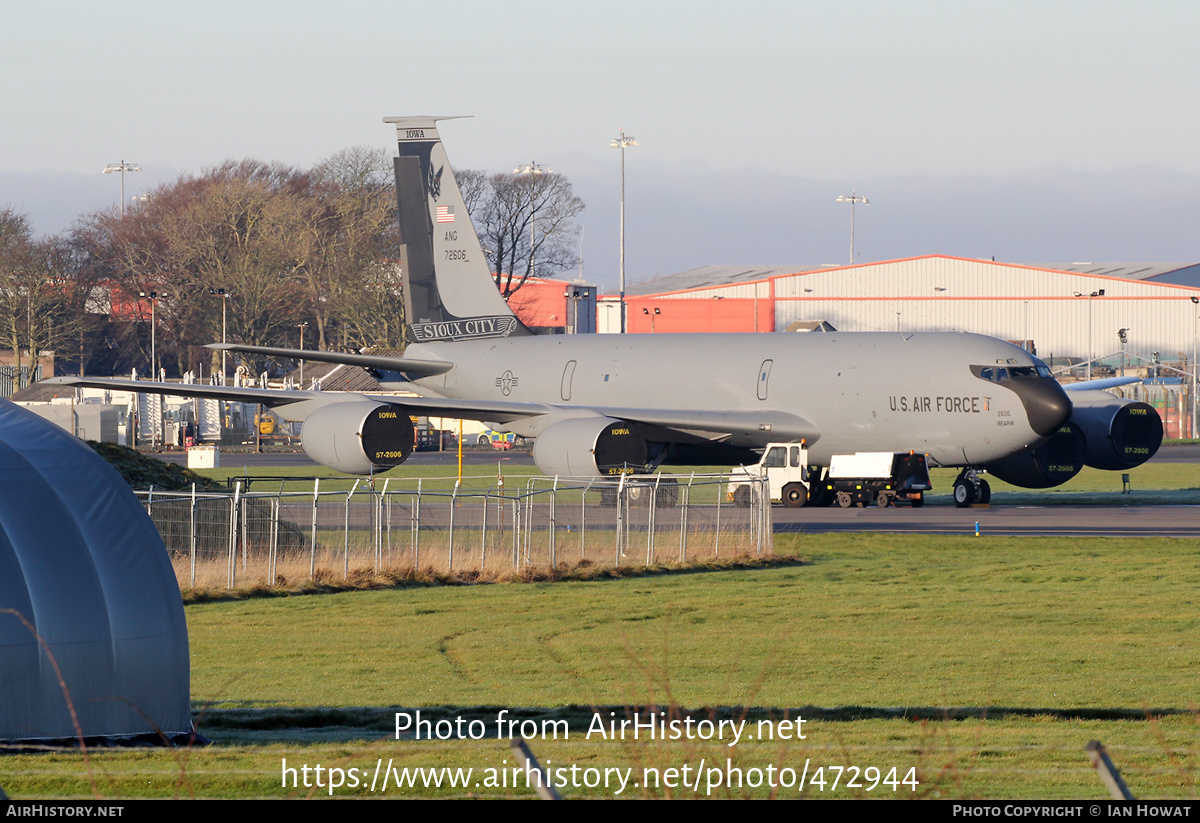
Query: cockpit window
point(999, 374)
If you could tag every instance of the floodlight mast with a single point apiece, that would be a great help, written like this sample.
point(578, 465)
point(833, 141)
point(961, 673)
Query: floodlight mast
point(121, 167)
point(853, 198)
point(623, 142)
point(531, 169)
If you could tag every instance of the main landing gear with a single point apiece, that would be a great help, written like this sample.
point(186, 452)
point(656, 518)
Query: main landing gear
point(970, 488)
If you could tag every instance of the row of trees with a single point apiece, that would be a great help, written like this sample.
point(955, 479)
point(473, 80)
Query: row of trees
point(255, 253)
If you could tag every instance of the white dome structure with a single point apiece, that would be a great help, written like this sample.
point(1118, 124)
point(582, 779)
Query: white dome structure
point(93, 641)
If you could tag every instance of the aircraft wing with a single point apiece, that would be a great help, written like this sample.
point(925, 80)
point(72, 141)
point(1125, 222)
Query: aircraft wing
point(718, 425)
point(408, 365)
point(781, 426)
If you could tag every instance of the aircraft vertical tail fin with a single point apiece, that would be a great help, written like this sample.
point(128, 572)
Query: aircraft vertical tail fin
point(449, 291)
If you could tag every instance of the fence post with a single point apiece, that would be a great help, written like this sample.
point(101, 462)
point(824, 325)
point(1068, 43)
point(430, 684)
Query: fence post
point(553, 524)
point(415, 519)
point(346, 533)
point(312, 551)
point(453, 503)
point(651, 520)
point(483, 534)
point(722, 484)
point(620, 541)
point(192, 548)
point(273, 562)
point(245, 532)
point(583, 522)
point(683, 519)
point(233, 524)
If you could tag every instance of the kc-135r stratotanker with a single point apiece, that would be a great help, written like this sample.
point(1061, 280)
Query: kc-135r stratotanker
point(606, 404)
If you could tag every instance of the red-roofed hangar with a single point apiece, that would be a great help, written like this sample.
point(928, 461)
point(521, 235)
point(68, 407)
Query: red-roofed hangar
point(1073, 311)
point(1125, 318)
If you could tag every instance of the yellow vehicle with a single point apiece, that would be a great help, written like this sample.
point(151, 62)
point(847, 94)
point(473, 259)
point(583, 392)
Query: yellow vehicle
point(266, 423)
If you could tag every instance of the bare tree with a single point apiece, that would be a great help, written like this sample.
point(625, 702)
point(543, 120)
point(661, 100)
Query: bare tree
point(526, 224)
point(41, 293)
point(350, 229)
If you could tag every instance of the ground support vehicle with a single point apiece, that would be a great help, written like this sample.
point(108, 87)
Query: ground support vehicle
point(858, 479)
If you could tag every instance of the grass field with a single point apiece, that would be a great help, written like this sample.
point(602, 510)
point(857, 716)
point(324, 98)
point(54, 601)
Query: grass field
point(1055, 641)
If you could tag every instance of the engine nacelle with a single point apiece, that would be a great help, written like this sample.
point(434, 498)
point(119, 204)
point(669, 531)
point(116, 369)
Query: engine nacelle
point(1104, 432)
point(358, 437)
point(1120, 433)
point(591, 447)
point(1052, 463)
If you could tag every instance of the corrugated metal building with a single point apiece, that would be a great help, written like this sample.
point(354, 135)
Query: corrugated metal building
point(1060, 309)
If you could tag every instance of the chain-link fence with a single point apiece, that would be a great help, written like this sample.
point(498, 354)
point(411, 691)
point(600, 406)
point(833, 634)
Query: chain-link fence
point(247, 537)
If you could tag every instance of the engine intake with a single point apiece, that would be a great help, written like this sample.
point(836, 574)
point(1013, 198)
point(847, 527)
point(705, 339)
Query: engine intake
point(1120, 433)
point(591, 447)
point(358, 437)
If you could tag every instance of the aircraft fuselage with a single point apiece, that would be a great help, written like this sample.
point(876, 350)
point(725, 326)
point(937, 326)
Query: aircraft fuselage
point(860, 391)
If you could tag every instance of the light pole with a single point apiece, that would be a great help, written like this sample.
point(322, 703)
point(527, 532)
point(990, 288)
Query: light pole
point(301, 326)
point(1097, 293)
point(853, 199)
point(652, 317)
point(224, 302)
point(532, 170)
point(121, 167)
point(153, 295)
point(623, 142)
point(1195, 301)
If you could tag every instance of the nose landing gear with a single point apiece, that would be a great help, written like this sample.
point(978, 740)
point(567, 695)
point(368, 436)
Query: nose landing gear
point(970, 488)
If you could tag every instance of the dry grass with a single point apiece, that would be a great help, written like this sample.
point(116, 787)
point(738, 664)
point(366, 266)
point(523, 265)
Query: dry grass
point(404, 576)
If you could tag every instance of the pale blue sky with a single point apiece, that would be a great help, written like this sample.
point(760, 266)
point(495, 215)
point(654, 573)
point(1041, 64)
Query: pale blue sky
point(763, 107)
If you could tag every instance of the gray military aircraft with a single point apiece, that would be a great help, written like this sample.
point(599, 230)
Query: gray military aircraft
point(604, 405)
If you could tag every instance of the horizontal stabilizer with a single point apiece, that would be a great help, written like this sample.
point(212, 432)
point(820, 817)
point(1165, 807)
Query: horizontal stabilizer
point(302, 403)
point(1104, 383)
point(408, 365)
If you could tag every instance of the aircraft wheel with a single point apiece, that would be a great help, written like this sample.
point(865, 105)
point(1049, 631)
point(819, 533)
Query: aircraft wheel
point(883, 500)
point(964, 494)
point(844, 500)
point(985, 492)
point(741, 497)
point(794, 495)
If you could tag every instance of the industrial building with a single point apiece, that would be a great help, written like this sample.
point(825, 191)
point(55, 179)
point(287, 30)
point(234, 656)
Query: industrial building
point(1069, 313)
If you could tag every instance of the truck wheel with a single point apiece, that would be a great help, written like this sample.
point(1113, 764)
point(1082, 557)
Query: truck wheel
point(883, 500)
point(963, 494)
point(844, 500)
point(794, 495)
point(741, 497)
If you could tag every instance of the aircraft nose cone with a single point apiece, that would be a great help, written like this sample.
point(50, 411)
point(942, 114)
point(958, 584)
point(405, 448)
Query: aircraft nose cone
point(1046, 404)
